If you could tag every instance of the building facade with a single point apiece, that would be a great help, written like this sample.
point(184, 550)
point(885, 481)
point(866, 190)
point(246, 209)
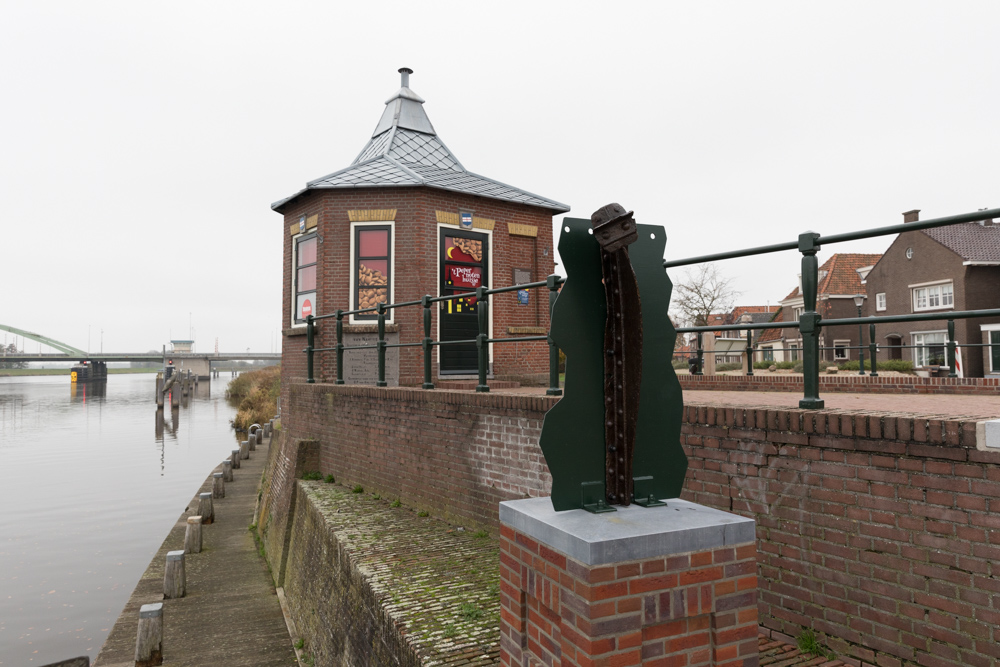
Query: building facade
point(404, 220)
point(936, 271)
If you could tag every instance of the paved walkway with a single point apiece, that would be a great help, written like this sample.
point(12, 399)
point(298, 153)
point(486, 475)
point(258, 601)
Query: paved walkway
point(231, 614)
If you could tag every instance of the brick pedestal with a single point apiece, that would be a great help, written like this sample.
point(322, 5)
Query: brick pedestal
point(674, 585)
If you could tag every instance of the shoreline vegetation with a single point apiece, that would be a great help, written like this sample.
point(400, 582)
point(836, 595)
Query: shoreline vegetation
point(10, 372)
point(255, 395)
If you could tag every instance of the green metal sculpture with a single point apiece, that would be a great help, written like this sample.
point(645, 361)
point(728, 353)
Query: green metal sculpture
point(614, 439)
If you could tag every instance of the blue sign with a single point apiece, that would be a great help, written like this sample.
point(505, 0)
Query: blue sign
point(522, 297)
point(465, 220)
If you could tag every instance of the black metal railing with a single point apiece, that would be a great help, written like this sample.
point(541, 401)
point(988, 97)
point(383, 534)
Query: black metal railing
point(482, 339)
point(810, 322)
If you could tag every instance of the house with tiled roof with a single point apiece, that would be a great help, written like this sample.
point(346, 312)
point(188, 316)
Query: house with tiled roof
point(841, 279)
point(935, 271)
point(756, 314)
point(406, 219)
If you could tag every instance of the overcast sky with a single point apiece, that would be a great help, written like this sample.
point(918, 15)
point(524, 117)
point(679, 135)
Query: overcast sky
point(143, 143)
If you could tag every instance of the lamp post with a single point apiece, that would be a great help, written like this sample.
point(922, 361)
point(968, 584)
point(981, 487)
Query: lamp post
point(858, 300)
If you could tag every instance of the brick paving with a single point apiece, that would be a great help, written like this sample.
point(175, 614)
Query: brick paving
point(777, 653)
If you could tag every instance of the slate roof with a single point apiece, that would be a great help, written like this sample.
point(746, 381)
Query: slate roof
point(405, 151)
point(971, 241)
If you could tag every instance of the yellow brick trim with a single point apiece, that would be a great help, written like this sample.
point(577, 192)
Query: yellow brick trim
point(483, 223)
point(535, 331)
point(312, 220)
point(372, 215)
point(446, 218)
point(515, 229)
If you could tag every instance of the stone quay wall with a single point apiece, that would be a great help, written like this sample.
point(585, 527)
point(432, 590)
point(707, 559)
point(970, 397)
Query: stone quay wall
point(878, 531)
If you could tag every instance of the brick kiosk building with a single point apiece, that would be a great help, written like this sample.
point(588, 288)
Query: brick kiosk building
point(406, 219)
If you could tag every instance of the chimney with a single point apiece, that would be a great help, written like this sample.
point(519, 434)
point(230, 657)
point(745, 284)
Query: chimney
point(405, 72)
point(911, 216)
point(987, 221)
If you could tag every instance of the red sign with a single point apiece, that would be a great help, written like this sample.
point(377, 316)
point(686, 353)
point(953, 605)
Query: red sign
point(307, 308)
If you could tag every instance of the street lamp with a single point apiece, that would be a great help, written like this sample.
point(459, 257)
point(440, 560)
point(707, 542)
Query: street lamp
point(858, 300)
point(747, 319)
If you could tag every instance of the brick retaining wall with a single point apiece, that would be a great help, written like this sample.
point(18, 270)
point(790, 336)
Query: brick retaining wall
point(879, 531)
point(844, 382)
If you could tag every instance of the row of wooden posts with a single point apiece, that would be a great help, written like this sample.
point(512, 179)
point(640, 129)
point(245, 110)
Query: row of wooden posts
point(149, 638)
point(187, 382)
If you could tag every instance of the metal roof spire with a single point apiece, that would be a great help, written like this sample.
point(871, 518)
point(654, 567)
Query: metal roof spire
point(405, 78)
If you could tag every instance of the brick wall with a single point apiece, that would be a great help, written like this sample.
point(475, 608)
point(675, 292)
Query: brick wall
point(844, 382)
point(688, 610)
point(879, 531)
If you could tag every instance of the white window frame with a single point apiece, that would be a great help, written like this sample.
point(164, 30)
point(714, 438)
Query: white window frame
point(295, 277)
point(390, 316)
point(932, 290)
point(847, 352)
point(880, 301)
point(923, 347)
point(988, 350)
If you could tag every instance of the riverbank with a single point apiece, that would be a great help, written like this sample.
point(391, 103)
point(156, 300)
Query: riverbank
point(30, 372)
point(231, 614)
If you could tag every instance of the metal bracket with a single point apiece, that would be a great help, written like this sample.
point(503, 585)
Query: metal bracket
point(643, 495)
point(592, 498)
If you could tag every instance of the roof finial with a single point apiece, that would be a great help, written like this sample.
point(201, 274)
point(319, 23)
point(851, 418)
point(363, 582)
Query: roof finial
point(406, 72)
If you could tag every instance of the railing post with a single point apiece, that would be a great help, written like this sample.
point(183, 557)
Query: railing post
point(951, 349)
point(310, 327)
point(552, 282)
point(873, 349)
point(380, 309)
point(340, 346)
point(426, 302)
point(481, 344)
point(750, 352)
point(701, 357)
point(809, 322)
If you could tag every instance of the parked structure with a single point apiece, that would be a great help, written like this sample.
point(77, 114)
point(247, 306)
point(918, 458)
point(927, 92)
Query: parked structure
point(404, 220)
point(841, 279)
point(935, 270)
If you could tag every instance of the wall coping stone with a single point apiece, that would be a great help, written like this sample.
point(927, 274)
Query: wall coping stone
point(631, 533)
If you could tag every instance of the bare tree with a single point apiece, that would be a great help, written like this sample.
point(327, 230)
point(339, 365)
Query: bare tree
point(702, 291)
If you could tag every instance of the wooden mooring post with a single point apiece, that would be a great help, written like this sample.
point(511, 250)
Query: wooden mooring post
point(149, 638)
point(245, 449)
point(227, 470)
point(218, 485)
point(173, 576)
point(205, 508)
point(192, 535)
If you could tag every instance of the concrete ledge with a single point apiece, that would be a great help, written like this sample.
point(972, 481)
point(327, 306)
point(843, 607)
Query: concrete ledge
point(988, 435)
point(631, 533)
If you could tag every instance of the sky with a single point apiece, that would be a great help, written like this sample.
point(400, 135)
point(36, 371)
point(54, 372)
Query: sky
point(142, 143)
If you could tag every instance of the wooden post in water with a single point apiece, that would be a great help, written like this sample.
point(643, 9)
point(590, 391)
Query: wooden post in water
point(205, 508)
point(218, 485)
point(245, 449)
point(149, 638)
point(227, 470)
point(159, 392)
point(192, 535)
point(175, 396)
point(173, 576)
point(235, 459)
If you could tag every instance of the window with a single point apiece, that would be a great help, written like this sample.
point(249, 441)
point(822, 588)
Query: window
point(930, 349)
point(768, 354)
point(372, 270)
point(794, 351)
point(305, 278)
point(933, 297)
point(880, 301)
point(995, 351)
point(796, 313)
point(840, 351)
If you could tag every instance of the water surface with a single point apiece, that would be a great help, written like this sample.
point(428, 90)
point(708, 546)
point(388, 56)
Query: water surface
point(89, 488)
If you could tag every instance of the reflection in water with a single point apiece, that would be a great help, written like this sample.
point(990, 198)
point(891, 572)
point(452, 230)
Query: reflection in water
point(103, 496)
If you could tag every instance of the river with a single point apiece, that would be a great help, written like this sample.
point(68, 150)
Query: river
point(88, 491)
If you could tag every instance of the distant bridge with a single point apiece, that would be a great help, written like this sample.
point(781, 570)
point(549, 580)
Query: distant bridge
point(197, 362)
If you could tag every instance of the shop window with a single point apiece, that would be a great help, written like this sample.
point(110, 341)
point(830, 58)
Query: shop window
point(372, 268)
point(305, 278)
